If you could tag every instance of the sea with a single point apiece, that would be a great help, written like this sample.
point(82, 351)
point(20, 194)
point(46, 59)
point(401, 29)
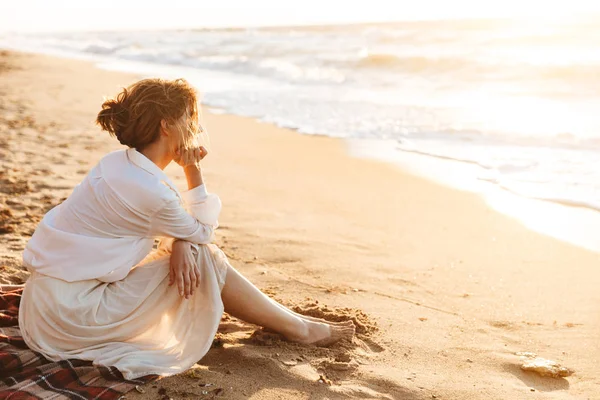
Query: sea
point(509, 109)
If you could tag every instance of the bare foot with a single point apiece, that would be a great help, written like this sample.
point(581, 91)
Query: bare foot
point(321, 320)
point(324, 334)
point(313, 319)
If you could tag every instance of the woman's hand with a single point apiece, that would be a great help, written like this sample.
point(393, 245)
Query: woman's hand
point(191, 156)
point(184, 269)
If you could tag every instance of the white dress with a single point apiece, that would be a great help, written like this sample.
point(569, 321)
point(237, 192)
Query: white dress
point(98, 292)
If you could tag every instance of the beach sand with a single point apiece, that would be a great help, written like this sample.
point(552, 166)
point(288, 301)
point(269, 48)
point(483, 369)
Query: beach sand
point(444, 289)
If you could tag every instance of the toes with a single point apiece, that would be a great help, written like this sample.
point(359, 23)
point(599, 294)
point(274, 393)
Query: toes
point(347, 331)
point(341, 323)
point(343, 331)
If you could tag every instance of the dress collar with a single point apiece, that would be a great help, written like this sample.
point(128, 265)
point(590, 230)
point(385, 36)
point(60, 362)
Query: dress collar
point(149, 166)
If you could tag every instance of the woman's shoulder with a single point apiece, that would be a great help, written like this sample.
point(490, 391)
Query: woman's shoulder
point(135, 185)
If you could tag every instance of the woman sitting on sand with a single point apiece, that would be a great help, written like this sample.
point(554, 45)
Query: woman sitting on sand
point(98, 292)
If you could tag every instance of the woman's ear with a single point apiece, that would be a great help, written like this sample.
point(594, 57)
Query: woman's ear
point(163, 128)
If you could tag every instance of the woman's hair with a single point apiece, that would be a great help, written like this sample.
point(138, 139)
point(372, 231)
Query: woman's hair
point(134, 116)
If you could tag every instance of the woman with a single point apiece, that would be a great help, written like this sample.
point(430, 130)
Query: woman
point(98, 292)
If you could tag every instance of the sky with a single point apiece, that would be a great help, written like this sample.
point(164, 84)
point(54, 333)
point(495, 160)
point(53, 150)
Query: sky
point(53, 15)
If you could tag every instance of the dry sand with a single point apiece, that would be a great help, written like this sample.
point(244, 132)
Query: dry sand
point(444, 289)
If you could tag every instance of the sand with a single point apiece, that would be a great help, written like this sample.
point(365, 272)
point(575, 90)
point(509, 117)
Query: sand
point(445, 290)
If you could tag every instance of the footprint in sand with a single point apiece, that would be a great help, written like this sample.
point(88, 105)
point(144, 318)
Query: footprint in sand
point(263, 337)
point(506, 325)
point(233, 326)
point(58, 161)
point(369, 345)
point(338, 366)
point(43, 185)
point(16, 247)
point(14, 186)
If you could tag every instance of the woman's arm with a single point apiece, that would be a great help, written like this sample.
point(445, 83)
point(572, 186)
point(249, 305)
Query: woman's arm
point(185, 228)
point(193, 175)
point(189, 160)
point(198, 219)
point(194, 223)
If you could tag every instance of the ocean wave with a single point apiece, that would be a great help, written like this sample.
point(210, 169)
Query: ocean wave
point(101, 48)
point(295, 72)
point(379, 60)
point(583, 74)
point(590, 204)
point(562, 175)
point(415, 64)
point(283, 56)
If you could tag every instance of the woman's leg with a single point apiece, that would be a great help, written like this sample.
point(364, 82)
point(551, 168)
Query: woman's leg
point(243, 300)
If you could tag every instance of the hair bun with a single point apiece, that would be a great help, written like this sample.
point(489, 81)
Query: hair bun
point(114, 116)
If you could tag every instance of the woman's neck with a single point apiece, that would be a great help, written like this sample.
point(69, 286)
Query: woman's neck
point(157, 154)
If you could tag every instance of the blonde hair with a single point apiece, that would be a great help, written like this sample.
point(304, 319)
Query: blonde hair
point(134, 116)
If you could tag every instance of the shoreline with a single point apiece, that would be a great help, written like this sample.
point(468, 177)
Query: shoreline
point(531, 212)
point(575, 224)
point(447, 278)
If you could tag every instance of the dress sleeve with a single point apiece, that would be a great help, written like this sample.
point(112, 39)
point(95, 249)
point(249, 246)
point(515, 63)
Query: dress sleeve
point(195, 220)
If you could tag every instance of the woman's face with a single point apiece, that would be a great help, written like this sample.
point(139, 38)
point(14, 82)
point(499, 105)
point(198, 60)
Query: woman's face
point(184, 131)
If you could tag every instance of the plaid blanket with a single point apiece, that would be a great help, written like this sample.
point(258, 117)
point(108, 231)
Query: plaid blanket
point(25, 374)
